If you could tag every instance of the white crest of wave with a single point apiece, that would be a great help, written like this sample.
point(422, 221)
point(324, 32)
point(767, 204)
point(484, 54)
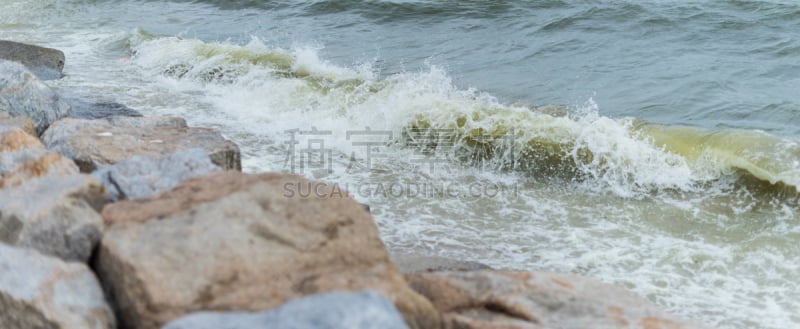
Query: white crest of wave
point(311, 92)
point(626, 161)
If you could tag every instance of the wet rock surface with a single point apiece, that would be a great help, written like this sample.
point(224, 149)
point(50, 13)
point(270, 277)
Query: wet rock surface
point(87, 109)
point(46, 63)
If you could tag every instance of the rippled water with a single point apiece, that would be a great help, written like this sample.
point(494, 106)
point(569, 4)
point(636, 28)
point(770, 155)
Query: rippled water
point(669, 162)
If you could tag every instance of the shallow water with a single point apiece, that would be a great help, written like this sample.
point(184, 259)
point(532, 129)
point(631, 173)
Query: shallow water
point(669, 163)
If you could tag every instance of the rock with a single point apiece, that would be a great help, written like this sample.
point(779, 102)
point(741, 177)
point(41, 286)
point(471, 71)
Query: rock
point(234, 241)
point(46, 63)
point(8, 122)
point(84, 109)
point(38, 291)
point(22, 94)
point(140, 176)
point(38, 165)
point(15, 140)
point(493, 299)
point(411, 263)
point(23, 157)
point(335, 310)
point(95, 143)
point(54, 215)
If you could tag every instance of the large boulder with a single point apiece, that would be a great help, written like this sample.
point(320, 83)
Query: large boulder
point(334, 310)
point(234, 241)
point(38, 291)
point(46, 63)
point(95, 143)
point(23, 157)
point(141, 176)
point(55, 215)
point(536, 300)
point(23, 94)
point(83, 108)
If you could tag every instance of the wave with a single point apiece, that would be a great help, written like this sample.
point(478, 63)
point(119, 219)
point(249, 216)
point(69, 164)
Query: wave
point(425, 111)
point(766, 157)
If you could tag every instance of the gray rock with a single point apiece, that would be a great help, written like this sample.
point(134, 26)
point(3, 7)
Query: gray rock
point(95, 143)
point(38, 291)
point(46, 63)
point(336, 310)
point(84, 109)
point(147, 122)
point(54, 215)
point(22, 94)
point(140, 176)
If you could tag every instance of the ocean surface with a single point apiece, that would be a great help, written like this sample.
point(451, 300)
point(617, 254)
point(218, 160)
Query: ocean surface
point(650, 144)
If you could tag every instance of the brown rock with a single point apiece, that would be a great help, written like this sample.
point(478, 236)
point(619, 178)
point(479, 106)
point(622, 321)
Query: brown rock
point(16, 140)
point(49, 164)
point(8, 122)
point(233, 241)
point(493, 299)
point(23, 157)
point(100, 142)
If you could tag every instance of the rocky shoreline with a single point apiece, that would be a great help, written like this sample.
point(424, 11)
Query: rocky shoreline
point(111, 219)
